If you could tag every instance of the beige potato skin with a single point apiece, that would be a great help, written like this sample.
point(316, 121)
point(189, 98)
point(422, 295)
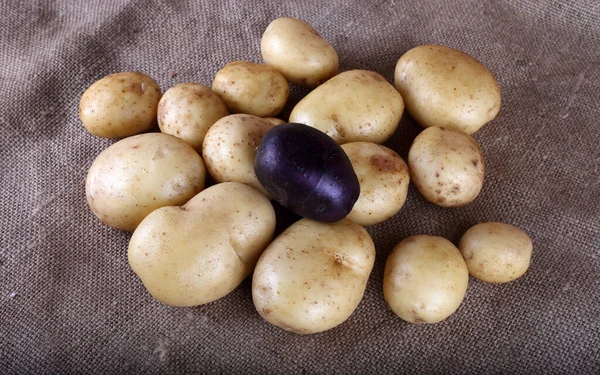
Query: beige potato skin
point(383, 178)
point(254, 89)
point(425, 279)
point(354, 106)
point(201, 251)
point(446, 167)
point(139, 174)
point(445, 87)
point(294, 47)
point(313, 276)
point(496, 252)
point(120, 105)
point(274, 120)
point(230, 147)
point(188, 110)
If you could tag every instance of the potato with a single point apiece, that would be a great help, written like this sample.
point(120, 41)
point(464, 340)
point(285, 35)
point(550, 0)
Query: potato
point(313, 276)
point(187, 110)
point(254, 89)
point(383, 178)
point(120, 105)
point(354, 106)
point(201, 251)
point(496, 252)
point(294, 47)
point(139, 174)
point(442, 86)
point(230, 146)
point(446, 166)
point(425, 279)
point(274, 120)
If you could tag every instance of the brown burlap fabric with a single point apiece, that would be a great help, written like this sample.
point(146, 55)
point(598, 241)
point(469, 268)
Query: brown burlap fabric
point(70, 304)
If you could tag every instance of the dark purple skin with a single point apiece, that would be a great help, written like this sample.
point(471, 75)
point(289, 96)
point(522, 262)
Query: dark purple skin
point(307, 172)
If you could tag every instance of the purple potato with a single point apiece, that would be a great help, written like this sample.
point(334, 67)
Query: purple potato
point(307, 172)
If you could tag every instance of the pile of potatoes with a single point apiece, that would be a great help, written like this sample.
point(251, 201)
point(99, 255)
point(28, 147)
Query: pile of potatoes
point(192, 245)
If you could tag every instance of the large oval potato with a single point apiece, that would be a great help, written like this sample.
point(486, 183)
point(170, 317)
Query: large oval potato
point(139, 174)
point(496, 252)
point(188, 110)
point(120, 105)
point(313, 276)
point(338, 110)
point(254, 89)
point(383, 178)
point(294, 47)
point(230, 146)
point(425, 279)
point(442, 86)
point(446, 166)
point(201, 251)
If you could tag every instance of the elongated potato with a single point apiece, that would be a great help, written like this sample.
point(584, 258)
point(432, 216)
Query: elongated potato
point(339, 111)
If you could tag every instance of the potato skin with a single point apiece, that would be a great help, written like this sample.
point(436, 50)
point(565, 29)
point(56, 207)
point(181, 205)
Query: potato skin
point(337, 110)
point(383, 178)
point(313, 276)
point(442, 86)
point(120, 105)
point(200, 252)
point(294, 47)
point(446, 167)
point(139, 174)
point(188, 110)
point(425, 279)
point(496, 252)
point(274, 120)
point(254, 89)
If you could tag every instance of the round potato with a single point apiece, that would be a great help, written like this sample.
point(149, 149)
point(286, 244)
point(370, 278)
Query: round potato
point(139, 174)
point(442, 86)
point(496, 252)
point(230, 146)
point(120, 105)
point(187, 110)
point(254, 89)
point(446, 166)
point(274, 120)
point(425, 279)
point(201, 251)
point(313, 276)
point(338, 110)
point(294, 47)
point(383, 178)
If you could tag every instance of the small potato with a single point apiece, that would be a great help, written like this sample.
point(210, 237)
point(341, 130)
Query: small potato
point(294, 47)
point(201, 251)
point(120, 105)
point(446, 166)
point(425, 279)
point(187, 110)
point(313, 276)
point(383, 178)
point(354, 106)
point(139, 174)
point(496, 252)
point(230, 147)
point(274, 120)
point(254, 89)
point(442, 86)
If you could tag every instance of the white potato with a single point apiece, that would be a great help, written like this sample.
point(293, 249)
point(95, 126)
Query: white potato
point(383, 178)
point(120, 105)
point(201, 251)
point(294, 47)
point(496, 252)
point(425, 279)
point(274, 120)
point(354, 106)
point(313, 276)
point(446, 166)
point(442, 86)
point(139, 174)
point(188, 110)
